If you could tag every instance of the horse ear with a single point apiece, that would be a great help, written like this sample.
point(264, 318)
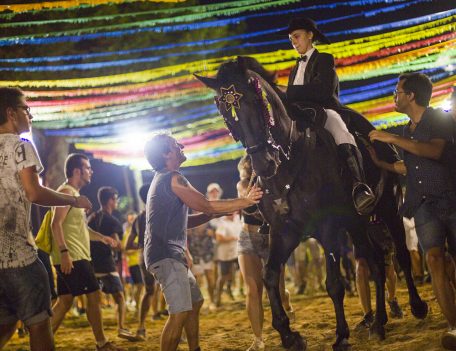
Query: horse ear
point(208, 81)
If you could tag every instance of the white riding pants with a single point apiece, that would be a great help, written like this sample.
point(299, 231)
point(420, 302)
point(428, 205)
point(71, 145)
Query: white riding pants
point(338, 129)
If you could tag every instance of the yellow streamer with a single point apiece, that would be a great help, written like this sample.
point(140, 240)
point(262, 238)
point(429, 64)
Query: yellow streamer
point(44, 5)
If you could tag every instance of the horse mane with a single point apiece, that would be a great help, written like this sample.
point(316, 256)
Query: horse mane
point(272, 95)
point(249, 63)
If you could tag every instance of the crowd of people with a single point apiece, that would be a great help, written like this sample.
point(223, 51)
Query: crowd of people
point(222, 244)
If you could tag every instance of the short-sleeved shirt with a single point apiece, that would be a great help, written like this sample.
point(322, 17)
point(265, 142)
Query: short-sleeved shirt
point(427, 178)
point(227, 251)
point(201, 244)
point(166, 222)
point(75, 232)
point(16, 248)
point(102, 254)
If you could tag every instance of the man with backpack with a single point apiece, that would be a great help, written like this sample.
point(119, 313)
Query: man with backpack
point(71, 253)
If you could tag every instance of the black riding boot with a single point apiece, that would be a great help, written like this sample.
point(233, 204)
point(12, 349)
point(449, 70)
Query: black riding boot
point(363, 197)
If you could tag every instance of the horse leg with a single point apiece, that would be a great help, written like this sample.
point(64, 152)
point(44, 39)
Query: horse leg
point(418, 306)
point(377, 268)
point(334, 284)
point(281, 246)
point(376, 263)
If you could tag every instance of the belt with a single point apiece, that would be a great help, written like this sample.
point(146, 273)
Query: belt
point(250, 228)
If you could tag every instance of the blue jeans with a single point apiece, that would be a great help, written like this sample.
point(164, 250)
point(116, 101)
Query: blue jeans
point(435, 227)
point(25, 294)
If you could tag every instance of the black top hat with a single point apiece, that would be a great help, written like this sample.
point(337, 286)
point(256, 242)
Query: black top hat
point(308, 25)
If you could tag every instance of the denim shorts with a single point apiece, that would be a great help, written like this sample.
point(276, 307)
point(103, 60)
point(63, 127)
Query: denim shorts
point(253, 244)
point(178, 285)
point(25, 294)
point(434, 228)
point(110, 283)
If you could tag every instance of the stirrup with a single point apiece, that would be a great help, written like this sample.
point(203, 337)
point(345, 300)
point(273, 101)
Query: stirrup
point(365, 203)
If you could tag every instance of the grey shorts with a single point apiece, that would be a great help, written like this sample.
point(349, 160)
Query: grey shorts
point(433, 229)
point(25, 294)
point(178, 285)
point(254, 244)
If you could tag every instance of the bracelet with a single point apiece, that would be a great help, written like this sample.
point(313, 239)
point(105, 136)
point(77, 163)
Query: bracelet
point(63, 250)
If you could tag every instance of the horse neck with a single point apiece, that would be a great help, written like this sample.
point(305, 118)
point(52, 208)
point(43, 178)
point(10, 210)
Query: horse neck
point(284, 128)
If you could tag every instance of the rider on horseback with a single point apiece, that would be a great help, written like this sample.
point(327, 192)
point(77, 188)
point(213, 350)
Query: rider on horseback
point(313, 84)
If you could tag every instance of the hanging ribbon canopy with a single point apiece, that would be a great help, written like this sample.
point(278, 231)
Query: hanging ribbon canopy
point(107, 75)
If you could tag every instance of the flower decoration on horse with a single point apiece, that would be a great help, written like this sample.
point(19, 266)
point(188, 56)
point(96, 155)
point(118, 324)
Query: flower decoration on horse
point(230, 97)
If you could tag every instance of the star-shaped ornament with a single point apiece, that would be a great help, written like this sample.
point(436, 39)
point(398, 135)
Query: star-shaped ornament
point(280, 206)
point(230, 97)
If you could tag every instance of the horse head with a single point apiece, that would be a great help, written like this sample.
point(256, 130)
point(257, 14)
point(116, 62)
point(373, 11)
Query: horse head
point(250, 108)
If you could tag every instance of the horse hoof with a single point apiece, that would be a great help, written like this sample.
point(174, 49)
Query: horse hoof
point(420, 309)
point(377, 332)
point(298, 343)
point(342, 345)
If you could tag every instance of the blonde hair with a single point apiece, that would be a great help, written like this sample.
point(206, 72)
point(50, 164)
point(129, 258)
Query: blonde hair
point(245, 167)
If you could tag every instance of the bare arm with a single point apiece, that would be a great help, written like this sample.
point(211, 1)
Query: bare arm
point(57, 232)
point(195, 220)
point(44, 196)
point(189, 258)
point(224, 239)
point(396, 167)
point(198, 202)
point(130, 244)
point(107, 240)
point(432, 149)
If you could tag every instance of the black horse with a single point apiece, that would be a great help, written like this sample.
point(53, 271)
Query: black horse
point(305, 194)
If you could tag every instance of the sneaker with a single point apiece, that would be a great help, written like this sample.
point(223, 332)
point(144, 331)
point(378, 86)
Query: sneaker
point(109, 346)
point(124, 333)
point(257, 345)
point(449, 340)
point(141, 334)
point(157, 316)
point(366, 322)
point(395, 309)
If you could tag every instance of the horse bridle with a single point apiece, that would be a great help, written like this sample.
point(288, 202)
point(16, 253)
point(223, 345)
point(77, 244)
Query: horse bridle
point(269, 122)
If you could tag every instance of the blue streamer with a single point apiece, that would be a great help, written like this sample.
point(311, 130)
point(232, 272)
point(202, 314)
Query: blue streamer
point(105, 64)
point(187, 27)
point(385, 87)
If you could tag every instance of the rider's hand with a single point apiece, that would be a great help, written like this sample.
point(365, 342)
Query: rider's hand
point(254, 195)
point(82, 202)
point(66, 264)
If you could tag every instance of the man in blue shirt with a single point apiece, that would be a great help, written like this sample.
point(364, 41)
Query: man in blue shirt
point(430, 195)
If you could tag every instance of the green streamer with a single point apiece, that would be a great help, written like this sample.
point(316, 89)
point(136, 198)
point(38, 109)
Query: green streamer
point(213, 9)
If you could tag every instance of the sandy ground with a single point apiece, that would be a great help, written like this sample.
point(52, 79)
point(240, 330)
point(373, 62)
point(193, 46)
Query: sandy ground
point(228, 328)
